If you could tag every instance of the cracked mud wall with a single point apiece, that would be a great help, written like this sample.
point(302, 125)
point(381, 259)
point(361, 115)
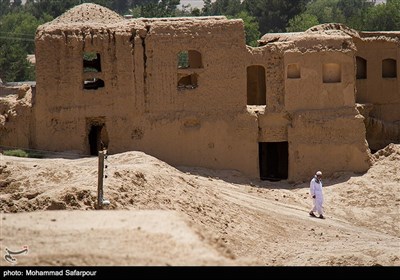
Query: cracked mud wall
point(380, 90)
point(207, 124)
point(63, 105)
point(16, 117)
point(199, 113)
point(141, 105)
point(332, 140)
point(383, 92)
point(318, 105)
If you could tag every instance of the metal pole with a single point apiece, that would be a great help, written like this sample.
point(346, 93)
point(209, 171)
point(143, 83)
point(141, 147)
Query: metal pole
point(100, 181)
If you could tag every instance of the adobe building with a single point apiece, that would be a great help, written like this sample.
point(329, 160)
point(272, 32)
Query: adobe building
point(190, 92)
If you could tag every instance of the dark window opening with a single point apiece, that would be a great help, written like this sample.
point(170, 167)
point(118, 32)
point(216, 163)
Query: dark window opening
point(361, 64)
point(389, 68)
point(95, 142)
point(94, 83)
point(256, 87)
point(293, 71)
point(331, 73)
point(188, 82)
point(189, 59)
point(91, 62)
point(273, 160)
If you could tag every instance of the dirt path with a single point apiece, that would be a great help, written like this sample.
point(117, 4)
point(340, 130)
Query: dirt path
point(241, 220)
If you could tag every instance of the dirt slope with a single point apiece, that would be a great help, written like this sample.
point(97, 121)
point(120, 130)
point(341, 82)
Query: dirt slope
point(246, 221)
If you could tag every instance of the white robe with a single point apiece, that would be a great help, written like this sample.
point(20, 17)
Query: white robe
point(316, 189)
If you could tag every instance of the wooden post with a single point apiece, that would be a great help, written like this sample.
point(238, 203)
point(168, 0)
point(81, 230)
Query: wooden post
point(100, 181)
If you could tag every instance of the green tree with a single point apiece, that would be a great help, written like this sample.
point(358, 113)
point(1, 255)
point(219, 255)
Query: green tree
point(5, 7)
point(326, 11)
point(353, 13)
point(383, 17)
point(302, 22)
point(13, 63)
point(222, 7)
point(121, 6)
point(206, 10)
point(274, 15)
point(163, 8)
point(17, 32)
point(250, 28)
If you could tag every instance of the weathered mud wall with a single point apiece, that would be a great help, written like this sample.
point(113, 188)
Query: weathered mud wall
point(16, 117)
point(319, 100)
point(190, 92)
point(329, 140)
point(378, 84)
point(64, 106)
point(141, 104)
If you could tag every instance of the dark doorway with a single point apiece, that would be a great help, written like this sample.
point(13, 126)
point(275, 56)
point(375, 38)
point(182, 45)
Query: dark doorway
point(95, 139)
point(273, 160)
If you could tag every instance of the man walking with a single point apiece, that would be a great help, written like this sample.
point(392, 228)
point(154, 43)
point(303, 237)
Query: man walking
point(317, 195)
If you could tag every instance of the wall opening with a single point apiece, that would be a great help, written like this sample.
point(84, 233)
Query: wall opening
point(331, 73)
point(189, 59)
point(187, 82)
point(91, 62)
point(94, 83)
point(293, 71)
point(389, 68)
point(273, 160)
point(361, 65)
point(97, 135)
point(95, 139)
point(256, 87)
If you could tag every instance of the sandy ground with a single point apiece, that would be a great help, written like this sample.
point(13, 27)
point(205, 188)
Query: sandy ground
point(224, 217)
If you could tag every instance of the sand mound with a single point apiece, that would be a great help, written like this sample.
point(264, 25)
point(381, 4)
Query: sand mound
point(123, 238)
point(263, 221)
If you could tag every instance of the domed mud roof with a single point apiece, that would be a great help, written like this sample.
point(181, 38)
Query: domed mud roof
point(88, 13)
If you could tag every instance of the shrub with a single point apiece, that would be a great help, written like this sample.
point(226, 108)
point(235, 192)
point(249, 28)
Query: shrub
point(22, 153)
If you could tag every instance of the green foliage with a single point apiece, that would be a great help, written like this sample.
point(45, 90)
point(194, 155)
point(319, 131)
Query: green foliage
point(183, 59)
point(357, 14)
point(17, 32)
point(325, 10)
point(384, 17)
point(163, 8)
point(89, 56)
point(5, 7)
point(250, 28)
point(302, 22)
point(273, 15)
point(13, 63)
point(22, 153)
point(222, 7)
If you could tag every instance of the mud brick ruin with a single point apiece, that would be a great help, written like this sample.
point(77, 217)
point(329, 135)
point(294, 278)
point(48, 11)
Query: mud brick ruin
point(191, 92)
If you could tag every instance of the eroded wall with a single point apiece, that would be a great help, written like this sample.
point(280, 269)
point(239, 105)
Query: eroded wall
point(199, 114)
point(141, 105)
point(64, 107)
point(383, 92)
point(16, 117)
point(328, 140)
point(378, 84)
